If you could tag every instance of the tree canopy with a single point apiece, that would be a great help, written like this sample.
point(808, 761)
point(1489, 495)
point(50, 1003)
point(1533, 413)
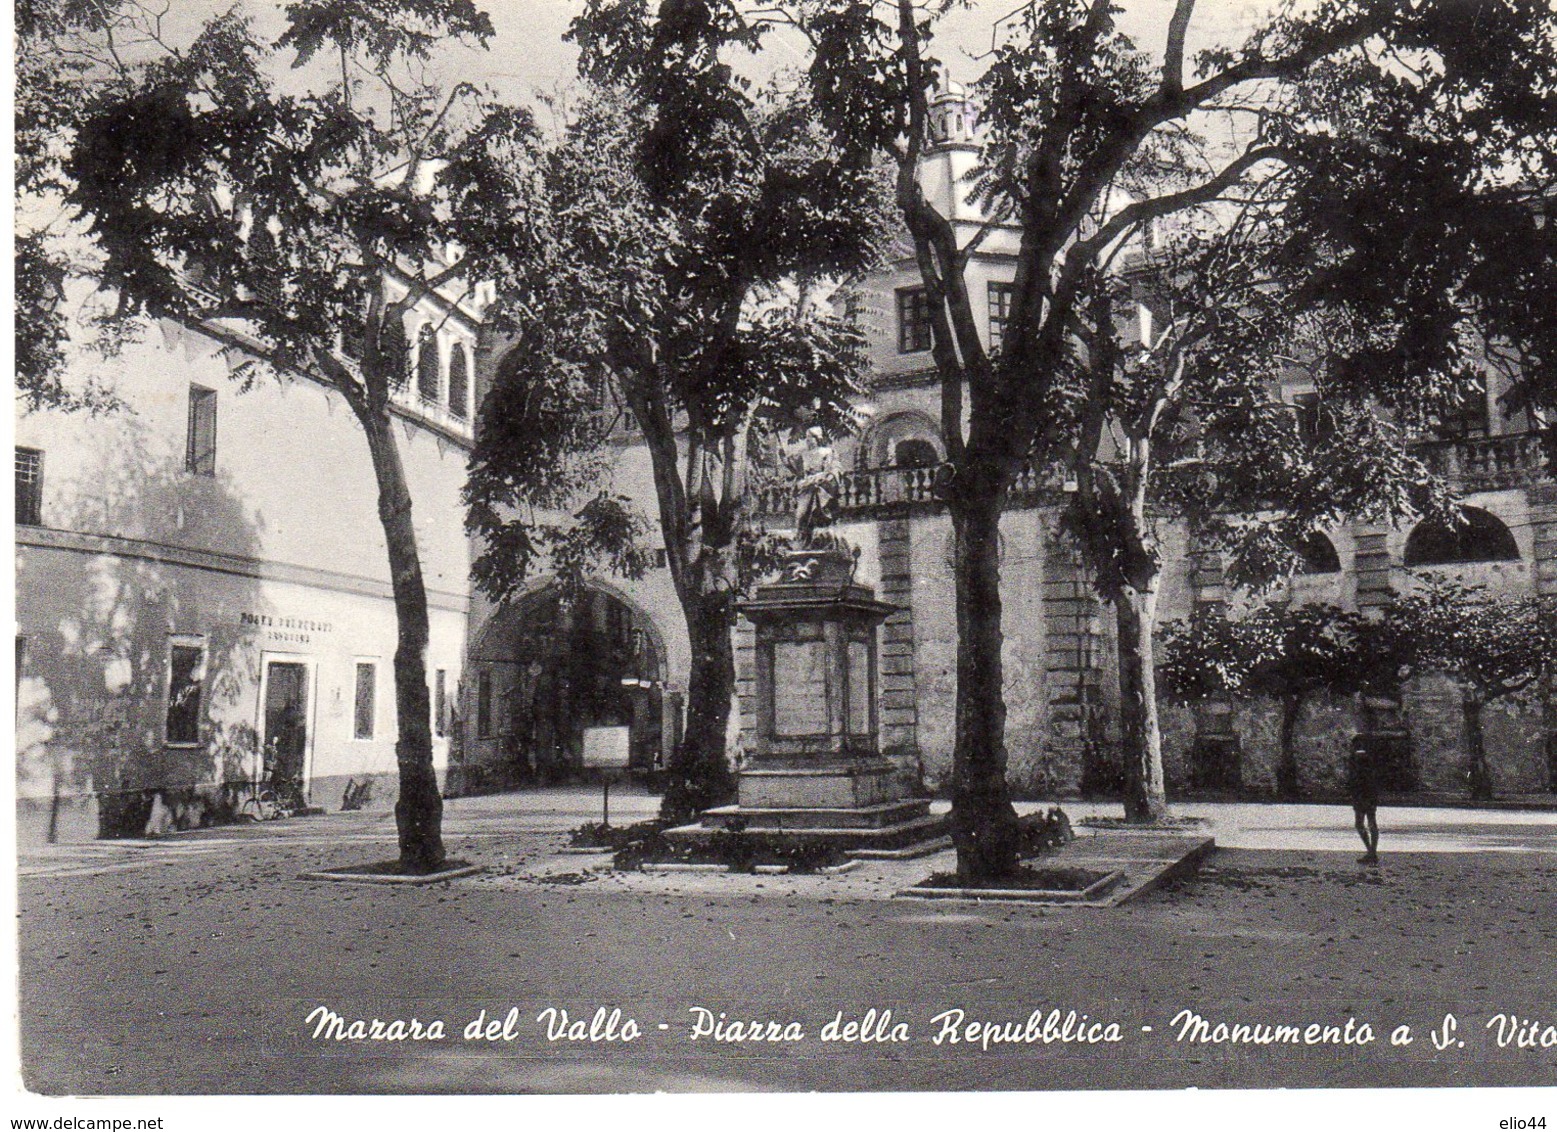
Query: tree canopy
point(1091, 142)
point(695, 225)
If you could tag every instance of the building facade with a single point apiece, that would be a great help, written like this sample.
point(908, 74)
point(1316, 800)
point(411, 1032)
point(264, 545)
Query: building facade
point(202, 590)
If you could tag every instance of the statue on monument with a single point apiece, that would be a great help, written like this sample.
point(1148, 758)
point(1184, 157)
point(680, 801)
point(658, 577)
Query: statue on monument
point(815, 467)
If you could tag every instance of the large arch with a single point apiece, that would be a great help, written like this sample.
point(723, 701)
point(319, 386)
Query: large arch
point(1480, 536)
point(1317, 555)
point(547, 666)
point(909, 437)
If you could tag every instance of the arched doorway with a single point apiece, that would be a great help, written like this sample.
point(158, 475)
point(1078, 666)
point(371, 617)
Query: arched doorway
point(551, 664)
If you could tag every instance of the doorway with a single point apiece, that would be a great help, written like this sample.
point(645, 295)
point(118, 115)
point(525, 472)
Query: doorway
point(285, 735)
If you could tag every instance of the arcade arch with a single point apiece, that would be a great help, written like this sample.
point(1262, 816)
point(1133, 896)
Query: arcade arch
point(548, 665)
point(1480, 536)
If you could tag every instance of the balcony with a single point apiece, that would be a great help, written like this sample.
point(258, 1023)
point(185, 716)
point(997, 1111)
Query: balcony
point(868, 491)
point(431, 413)
point(1487, 463)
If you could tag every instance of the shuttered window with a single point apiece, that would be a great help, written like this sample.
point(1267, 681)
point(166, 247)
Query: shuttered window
point(999, 314)
point(367, 700)
point(29, 486)
point(200, 450)
point(913, 320)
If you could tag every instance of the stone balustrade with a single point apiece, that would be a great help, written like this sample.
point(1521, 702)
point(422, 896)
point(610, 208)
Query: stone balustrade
point(1487, 463)
point(1471, 464)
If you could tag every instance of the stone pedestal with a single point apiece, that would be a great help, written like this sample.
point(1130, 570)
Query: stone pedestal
point(815, 771)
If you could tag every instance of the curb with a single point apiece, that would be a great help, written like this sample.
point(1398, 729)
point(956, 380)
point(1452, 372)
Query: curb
point(907, 853)
point(676, 867)
point(1045, 896)
point(342, 876)
point(1188, 863)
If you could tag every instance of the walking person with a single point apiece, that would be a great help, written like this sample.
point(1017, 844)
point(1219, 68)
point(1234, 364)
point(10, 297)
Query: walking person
point(1362, 782)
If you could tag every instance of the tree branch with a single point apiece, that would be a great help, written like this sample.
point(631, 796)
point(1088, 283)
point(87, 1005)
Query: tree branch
point(1173, 56)
point(1139, 212)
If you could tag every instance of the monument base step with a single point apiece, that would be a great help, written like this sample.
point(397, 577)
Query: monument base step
point(761, 818)
point(896, 836)
point(820, 785)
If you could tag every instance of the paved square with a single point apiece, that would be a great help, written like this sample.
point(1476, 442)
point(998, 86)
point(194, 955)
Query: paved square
point(194, 965)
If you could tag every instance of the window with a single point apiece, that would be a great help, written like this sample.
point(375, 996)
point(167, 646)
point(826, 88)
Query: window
point(354, 340)
point(459, 382)
point(354, 331)
point(441, 703)
point(618, 624)
point(999, 314)
point(853, 307)
point(29, 486)
point(200, 449)
point(265, 264)
point(367, 700)
point(484, 706)
point(186, 674)
point(913, 320)
point(1317, 555)
point(427, 367)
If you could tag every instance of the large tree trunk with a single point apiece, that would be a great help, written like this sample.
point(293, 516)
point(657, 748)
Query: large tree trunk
point(1478, 773)
point(984, 826)
point(419, 810)
point(698, 773)
point(1135, 613)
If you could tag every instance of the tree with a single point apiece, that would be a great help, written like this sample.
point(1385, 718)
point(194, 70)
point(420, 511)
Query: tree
point(1190, 421)
point(1288, 653)
point(1494, 647)
point(692, 227)
point(50, 82)
point(298, 229)
point(1075, 114)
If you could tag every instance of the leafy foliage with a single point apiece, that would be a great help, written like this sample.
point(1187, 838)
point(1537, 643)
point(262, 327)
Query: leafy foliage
point(1497, 645)
point(1044, 832)
point(648, 313)
point(1494, 645)
point(689, 228)
point(1278, 650)
point(214, 196)
point(1249, 161)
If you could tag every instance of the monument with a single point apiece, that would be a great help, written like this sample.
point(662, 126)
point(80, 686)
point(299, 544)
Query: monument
point(815, 772)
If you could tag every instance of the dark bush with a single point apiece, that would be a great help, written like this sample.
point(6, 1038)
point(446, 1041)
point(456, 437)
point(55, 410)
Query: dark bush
point(1041, 833)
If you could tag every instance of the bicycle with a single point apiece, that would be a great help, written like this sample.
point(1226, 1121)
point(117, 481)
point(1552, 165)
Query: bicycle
point(269, 803)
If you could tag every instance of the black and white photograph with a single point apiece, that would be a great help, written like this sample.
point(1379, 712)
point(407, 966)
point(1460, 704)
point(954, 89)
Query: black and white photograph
point(951, 560)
